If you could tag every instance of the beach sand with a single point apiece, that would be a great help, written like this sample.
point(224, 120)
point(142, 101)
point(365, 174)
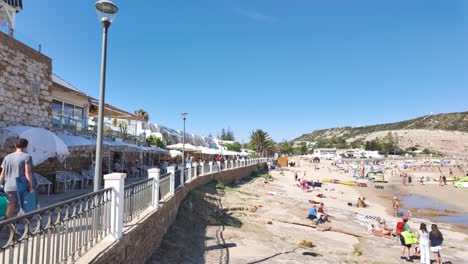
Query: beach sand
point(257, 222)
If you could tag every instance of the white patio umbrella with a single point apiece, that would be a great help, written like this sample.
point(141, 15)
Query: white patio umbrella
point(43, 144)
point(175, 153)
point(76, 141)
point(210, 151)
point(179, 146)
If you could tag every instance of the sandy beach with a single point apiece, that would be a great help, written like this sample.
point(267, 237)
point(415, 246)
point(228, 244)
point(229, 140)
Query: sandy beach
point(258, 222)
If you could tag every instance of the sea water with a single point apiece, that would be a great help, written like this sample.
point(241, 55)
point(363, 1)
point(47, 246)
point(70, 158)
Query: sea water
point(424, 203)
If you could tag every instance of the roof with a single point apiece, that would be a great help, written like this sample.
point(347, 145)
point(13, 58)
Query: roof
point(116, 112)
point(65, 84)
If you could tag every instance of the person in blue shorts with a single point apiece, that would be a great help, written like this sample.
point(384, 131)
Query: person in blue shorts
point(14, 165)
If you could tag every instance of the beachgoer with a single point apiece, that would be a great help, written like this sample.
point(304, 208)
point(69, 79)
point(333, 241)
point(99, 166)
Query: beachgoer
point(410, 180)
point(312, 213)
point(359, 202)
point(444, 179)
point(441, 181)
point(363, 201)
point(436, 238)
point(405, 177)
point(421, 180)
point(14, 165)
point(396, 206)
point(295, 175)
point(400, 228)
point(385, 229)
point(321, 208)
point(423, 237)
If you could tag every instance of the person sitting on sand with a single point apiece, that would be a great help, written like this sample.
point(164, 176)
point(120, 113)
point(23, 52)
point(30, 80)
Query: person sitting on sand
point(386, 230)
point(321, 218)
point(359, 202)
point(363, 201)
point(321, 208)
point(312, 213)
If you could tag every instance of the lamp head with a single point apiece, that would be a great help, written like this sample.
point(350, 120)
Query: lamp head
point(106, 11)
point(184, 115)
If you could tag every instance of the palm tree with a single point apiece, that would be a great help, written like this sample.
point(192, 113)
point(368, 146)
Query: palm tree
point(142, 114)
point(261, 141)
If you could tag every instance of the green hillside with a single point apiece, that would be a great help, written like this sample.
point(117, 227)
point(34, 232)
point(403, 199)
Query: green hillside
point(449, 122)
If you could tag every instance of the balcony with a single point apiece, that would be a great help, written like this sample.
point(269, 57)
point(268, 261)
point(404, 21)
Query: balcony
point(88, 128)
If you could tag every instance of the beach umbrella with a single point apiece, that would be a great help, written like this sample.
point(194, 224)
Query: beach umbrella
point(43, 144)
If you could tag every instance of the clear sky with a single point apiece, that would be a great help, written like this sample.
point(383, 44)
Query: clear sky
point(285, 66)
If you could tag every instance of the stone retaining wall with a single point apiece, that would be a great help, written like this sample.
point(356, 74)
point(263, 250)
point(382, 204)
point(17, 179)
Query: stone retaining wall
point(25, 85)
point(138, 244)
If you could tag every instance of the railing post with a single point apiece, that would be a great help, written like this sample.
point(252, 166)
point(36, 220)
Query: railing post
point(211, 166)
point(225, 164)
point(116, 182)
point(202, 165)
point(232, 164)
point(171, 170)
point(195, 168)
point(154, 174)
point(182, 176)
point(190, 166)
point(219, 165)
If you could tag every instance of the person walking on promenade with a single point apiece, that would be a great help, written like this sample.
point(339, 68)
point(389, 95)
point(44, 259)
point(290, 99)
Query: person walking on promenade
point(436, 238)
point(396, 206)
point(423, 237)
point(15, 165)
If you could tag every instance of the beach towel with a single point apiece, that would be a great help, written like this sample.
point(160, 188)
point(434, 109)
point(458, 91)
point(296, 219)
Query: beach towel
point(27, 200)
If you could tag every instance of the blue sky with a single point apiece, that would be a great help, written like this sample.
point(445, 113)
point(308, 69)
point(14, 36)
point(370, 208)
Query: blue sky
point(285, 66)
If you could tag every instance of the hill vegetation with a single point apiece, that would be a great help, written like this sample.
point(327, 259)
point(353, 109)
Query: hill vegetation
point(397, 138)
point(449, 122)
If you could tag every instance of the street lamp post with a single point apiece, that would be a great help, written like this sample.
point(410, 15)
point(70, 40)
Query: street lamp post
point(184, 116)
point(106, 11)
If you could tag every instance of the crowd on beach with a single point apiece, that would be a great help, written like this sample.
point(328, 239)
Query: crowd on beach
point(415, 243)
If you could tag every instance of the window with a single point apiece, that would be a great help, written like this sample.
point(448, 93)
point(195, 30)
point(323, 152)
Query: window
point(78, 112)
point(56, 106)
point(56, 112)
point(68, 110)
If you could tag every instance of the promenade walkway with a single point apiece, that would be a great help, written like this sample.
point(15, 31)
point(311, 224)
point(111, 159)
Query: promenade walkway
point(68, 225)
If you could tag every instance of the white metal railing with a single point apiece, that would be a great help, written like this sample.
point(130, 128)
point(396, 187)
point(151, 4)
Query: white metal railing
point(63, 232)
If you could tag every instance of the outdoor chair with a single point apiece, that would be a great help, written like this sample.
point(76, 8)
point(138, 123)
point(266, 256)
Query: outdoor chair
point(87, 176)
point(41, 180)
point(64, 178)
point(76, 177)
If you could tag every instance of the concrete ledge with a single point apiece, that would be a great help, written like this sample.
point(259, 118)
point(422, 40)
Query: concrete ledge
point(143, 237)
